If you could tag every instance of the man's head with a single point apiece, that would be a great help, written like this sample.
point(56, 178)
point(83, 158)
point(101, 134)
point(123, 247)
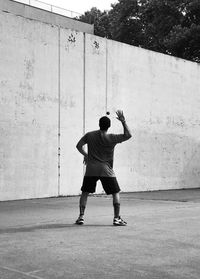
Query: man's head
point(104, 123)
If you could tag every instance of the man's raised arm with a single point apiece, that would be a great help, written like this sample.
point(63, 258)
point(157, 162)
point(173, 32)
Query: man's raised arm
point(121, 118)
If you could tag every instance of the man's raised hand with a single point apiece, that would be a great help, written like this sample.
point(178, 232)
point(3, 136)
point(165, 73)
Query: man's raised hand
point(120, 115)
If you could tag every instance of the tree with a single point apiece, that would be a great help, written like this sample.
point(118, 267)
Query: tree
point(167, 26)
point(158, 18)
point(125, 22)
point(184, 39)
point(184, 42)
point(100, 21)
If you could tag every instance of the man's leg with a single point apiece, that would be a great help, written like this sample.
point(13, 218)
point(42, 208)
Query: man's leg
point(116, 204)
point(82, 205)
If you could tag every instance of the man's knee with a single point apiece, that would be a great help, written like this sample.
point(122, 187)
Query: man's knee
point(115, 197)
point(85, 194)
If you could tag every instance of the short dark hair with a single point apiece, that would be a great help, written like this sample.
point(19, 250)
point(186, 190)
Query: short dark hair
point(104, 123)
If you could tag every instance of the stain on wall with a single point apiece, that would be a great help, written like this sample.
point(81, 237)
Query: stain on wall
point(96, 47)
point(70, 41)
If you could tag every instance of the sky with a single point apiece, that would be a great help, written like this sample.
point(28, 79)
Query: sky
point(80, 6)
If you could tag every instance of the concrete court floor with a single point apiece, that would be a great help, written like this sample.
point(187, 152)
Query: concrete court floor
point(162, 240)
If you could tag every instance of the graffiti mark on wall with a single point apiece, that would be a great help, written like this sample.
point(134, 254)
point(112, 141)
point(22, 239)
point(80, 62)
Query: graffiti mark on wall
point(28, 68)
point(96, 44)
point(96, 47)
point(71, 42)
point(72, 38)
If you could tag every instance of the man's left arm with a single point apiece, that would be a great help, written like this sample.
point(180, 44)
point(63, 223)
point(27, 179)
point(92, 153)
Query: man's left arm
point(80, 147)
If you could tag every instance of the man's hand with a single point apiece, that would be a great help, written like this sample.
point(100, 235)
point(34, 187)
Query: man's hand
point(85, 160)
point(80, 148)
point(120, 116)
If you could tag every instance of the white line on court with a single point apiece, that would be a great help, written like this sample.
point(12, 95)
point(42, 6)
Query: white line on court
point(21, 272)
point(34, 271)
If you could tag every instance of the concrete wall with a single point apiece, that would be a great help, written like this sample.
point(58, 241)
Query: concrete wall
point(28, 108)
point(55, 83)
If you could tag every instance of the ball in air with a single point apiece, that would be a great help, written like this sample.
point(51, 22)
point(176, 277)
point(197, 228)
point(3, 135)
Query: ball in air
point(108, 113)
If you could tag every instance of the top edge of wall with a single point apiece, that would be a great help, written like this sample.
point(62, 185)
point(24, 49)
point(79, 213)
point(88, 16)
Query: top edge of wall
point(154, 53)
point(30, 12)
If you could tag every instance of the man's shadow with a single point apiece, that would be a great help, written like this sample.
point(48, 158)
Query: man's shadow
point(49, 227)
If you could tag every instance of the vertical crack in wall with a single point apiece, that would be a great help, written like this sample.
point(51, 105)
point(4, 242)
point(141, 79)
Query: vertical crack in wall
point(84, 87)
point(106, 101)
point(58, 111)
point(84, 68)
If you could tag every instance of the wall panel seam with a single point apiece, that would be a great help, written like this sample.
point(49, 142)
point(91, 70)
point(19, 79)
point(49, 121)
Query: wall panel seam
point(59, 99)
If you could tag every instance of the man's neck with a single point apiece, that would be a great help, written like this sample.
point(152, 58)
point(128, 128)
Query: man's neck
point(103, 131)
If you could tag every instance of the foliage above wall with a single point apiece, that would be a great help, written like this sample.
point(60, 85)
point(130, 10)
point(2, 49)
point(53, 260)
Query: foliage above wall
point(167, 26)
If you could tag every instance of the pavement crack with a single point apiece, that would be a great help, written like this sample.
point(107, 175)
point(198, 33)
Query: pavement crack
point(20, 272)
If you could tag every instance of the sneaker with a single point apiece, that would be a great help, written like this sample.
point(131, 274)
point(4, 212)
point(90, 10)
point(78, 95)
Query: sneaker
point(119, 222)
point(79, 221)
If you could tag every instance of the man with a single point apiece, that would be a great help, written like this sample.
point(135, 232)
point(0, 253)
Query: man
point(99, 164)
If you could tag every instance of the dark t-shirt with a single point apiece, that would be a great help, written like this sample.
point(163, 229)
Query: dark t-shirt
point(100, 152)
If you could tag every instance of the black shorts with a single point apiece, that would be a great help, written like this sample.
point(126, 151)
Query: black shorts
point(110, 184)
